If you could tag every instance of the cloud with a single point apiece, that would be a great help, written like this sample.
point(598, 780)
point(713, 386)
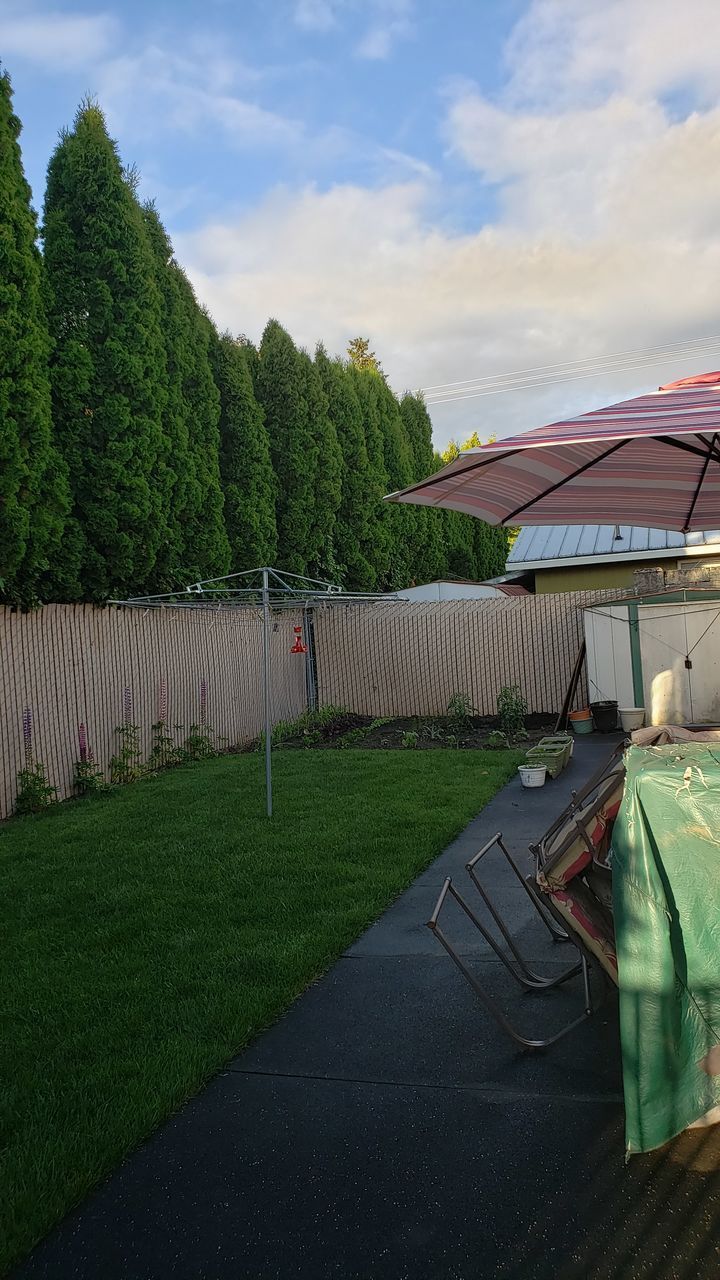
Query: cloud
point(440, 307)
point(164, 90)
point(389, 21)
point(317, 15)
point(587, 137)
point(602, 148)
point(393, 23)
point(58, 41)
point(565, 49)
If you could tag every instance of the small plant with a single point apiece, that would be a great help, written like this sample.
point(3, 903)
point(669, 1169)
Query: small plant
point(87, 777)
point(354, 737)
point(127, 765)
point(497, 740)
point(199, 744)
point(34, 790)
point(431, 730)
point(164, 751)
point(409, 739)
point(511, 710)
point(460, 710)
point(305, 724)
point(452, 740)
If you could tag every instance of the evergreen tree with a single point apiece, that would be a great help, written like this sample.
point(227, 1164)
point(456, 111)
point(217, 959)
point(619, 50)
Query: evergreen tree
point(196, 545)
point(245, 467)
point(475, 549)
point(108, 366)
point(429, 557)
point(361, 357)
point(33, 480)
point(377, 550)
point(399, 469)
point(170, 565)
point(353, 527)
point(280, 386)
point(322, 559)
point(207, 549)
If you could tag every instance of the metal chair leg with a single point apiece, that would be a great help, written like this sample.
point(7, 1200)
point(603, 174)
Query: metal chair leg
point(526, 976)
point(449, 890)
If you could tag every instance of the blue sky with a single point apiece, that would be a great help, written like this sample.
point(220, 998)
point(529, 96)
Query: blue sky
point(477, 186)
point(342, 92)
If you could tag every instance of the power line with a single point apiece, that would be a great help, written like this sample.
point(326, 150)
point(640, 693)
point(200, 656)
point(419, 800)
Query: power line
point(567, 376)
point(529, 384)
point(566, 364)
point(687, 347)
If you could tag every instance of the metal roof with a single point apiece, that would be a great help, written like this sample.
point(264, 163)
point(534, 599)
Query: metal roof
point(540, 546)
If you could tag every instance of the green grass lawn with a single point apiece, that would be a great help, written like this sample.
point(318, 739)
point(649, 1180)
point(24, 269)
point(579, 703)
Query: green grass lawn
point(152, 932)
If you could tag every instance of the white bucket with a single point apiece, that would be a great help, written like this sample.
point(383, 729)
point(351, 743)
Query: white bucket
point(532, 775)
point(631, 718)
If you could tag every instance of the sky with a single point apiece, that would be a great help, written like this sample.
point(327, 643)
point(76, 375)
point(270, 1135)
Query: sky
point(477, 186)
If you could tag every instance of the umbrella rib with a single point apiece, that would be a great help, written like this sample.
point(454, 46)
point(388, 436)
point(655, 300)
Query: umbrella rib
point(710, 453)
point(683, 444)
point(473, 466)
point(566, 479)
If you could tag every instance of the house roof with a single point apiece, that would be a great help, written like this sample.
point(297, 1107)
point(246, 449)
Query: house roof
point(553, 546)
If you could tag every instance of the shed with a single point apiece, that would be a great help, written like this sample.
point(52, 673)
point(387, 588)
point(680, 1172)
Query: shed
point(658, 652)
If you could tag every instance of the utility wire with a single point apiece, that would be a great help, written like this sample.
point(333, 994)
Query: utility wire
point(572, 371)
point(566, 364)
point(544, 382)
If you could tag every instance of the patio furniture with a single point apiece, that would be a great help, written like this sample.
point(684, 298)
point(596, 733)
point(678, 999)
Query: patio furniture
point(663, 907)
point(569, 893)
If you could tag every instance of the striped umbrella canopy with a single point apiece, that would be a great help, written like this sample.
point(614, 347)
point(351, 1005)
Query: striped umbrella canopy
point(652, 461)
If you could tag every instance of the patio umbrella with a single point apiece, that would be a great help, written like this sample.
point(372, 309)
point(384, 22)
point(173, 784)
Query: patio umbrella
point(652, 461)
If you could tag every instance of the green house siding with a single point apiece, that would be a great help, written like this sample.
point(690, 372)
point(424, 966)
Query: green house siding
point(590, 577)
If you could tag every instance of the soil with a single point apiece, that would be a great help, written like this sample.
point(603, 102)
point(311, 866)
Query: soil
point(433, 733)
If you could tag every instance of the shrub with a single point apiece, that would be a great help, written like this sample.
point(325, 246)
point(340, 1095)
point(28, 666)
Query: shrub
point(34, 790)
point(460, 709)
point(87, 778)
point(511, 709)
point(127, 765)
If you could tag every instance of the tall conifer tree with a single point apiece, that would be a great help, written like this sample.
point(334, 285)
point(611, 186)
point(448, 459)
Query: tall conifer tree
point(196, 545)
point(280, 388)
point(429, 550)
point(353, 529)
point(108, 366)
point(327, 494)
point(399, 470)
point(33, 480)
point(245, 467)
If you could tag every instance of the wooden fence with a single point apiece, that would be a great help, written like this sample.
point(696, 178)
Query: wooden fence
point(408, 659)
point(64, 666)
point(69, 665)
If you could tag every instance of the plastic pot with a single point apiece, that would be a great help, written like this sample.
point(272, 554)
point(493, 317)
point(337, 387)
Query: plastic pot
point(532, 775)
point(631, 718)
point(605, 715)
point(581, 721)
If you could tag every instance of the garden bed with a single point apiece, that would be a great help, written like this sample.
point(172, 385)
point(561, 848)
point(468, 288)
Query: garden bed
point(337, 729)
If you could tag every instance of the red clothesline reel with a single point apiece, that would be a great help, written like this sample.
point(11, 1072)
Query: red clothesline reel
point(298, 646)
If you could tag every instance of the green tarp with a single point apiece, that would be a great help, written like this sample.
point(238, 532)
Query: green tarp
point(666, 890)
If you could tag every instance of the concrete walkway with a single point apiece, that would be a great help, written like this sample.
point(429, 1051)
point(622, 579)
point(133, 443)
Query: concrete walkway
point(386, 1129)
